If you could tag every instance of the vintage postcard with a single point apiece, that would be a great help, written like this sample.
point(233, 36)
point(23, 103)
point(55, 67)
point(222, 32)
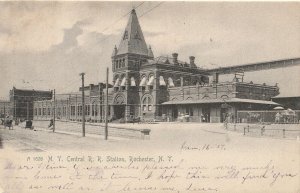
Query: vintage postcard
point(149, 96)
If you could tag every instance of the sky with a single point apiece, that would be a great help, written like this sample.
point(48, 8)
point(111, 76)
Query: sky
point(45, 45)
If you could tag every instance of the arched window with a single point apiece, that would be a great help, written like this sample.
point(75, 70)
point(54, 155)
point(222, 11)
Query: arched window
point(119, 63)
point(147, 103)
point(116, 64)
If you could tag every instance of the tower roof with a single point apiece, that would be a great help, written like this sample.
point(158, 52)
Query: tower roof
point(133, 39)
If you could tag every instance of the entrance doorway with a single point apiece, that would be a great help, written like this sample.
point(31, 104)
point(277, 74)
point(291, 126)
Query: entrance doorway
point(175, 112)
point(224, 114)
point(206, 114)
point(119, 111)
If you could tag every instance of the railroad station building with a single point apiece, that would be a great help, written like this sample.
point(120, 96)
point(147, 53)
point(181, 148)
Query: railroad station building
point(160, 88)
point(22, 101)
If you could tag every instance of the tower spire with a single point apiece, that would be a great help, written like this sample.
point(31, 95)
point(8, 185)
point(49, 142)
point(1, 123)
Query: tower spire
point(132, 40)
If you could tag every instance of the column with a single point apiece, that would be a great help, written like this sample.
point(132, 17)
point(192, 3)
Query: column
point(181, 88)
point(127, 112)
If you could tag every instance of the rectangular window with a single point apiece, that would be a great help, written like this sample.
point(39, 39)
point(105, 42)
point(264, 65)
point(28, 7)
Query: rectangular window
point(150, 108)
point(87, 110)
point(59, 111)
point(64, 111)
point(79, 110)
point(96, 110)
point(72, 110)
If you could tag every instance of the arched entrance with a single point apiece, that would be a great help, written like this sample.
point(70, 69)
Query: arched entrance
point(119, 107)
point(119, 111)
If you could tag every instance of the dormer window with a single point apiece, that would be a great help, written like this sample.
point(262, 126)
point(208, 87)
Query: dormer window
point(125, 35)
point(150, 82)
point(119, 63)
point(137, 35)
point(123, 83)
point(143, 83)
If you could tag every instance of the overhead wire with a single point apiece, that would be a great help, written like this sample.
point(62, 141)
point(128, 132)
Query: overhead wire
point(129, 13)
point(151, 9)
point(119, 19)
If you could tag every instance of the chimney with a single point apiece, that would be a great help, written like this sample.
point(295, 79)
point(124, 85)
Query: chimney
point(192, 61)
point(91, 86)
point(175, 56)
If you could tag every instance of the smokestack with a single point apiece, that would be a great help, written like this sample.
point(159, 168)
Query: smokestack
point(175, 56)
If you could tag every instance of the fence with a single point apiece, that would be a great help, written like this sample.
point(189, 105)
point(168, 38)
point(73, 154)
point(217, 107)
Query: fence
point(93, 128)
point(274, 116)
point(288, 131)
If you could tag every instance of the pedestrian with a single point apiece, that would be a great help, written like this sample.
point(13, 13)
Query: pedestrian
point(51, 123)
point(226, 121)
point(277, 117)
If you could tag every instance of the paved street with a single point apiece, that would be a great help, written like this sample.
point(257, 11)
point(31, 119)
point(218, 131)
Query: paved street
point(163, 136)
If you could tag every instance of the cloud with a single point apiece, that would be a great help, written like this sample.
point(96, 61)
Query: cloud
point(70, 37)
point(58, 40)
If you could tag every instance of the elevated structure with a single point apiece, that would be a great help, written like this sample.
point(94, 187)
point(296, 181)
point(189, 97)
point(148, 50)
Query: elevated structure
point(254, 67)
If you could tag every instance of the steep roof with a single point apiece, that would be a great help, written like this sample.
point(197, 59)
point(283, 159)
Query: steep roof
point(133, 39)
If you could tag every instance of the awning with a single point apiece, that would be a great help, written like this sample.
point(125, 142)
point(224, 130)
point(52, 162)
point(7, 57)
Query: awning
point(132, 81)
point(117, 83)
point(143, 82)
point(123, 81)
point(151, 81)
point(162, 81)
point(232, 100)
point(170, 82)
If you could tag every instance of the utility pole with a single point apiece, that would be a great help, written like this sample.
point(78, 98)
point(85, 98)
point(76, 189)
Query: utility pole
point(83, 104)
point(27, 112)
point(15, 109)
point(100, 102)
point(106, 105)
point(54, 109)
